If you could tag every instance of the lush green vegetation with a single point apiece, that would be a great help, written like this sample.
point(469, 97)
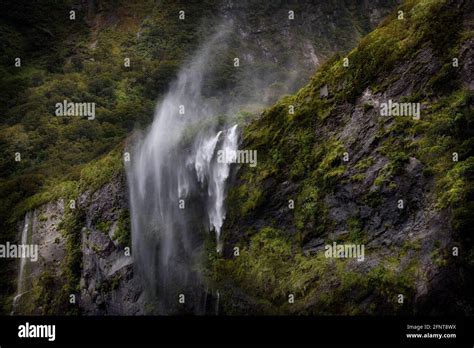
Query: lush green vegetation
point(77, 61)
point(81, 60)
point(123, 234)
point(71, 226)
point(295, 147)
point(51, 294)
point(271, 269)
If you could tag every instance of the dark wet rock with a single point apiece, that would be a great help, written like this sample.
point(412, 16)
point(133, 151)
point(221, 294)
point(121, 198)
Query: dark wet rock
point(108, 285)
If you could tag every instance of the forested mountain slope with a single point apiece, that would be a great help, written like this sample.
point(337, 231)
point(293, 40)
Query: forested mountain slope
point(343, 165)
point(122, 55)
point(339, 170)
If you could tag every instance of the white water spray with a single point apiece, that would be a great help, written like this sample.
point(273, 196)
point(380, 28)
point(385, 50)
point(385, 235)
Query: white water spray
point(214, 174)
point(177, 187)
point(21, 273)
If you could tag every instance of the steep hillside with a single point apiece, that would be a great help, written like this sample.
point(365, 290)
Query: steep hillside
point(83, 59)
point(402, 186)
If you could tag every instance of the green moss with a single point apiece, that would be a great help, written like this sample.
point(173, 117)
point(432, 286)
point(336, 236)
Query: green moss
point(109, 285)
point(71, 226)
point(44, 294)
point(448, 129)
point(367, 107)
point(445, 80)
point(356, 233)
point(364, 163)
point(254, 197)
point(373, 199)
point(455, 185)
point(96, 249)
point(263, 270)
point(293, 148)
point(307, 202)
point(390, 281)
point(95, 174)
point(91, 177)
point(361, 167)
point(63, 190)
point(103, 226)
point(123, 234)
point(463, 220)
point(412, 245)
point(385, 175)
point(50, 294)
point(271, 268)
point(358, 177)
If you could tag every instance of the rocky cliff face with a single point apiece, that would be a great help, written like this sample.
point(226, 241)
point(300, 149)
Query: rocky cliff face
point(108, 285)
point(339, 171)
point(83, 250)
point(104, 283)
point(333, 171)
point(294, 38)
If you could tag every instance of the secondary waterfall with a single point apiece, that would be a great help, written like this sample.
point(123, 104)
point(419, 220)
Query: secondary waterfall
point(177, 187)
point(21, 273)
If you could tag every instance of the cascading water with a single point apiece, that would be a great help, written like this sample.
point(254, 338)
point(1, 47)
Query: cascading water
point(177, 184)
point(21, 273)
point(177, 187)
point(214, 174)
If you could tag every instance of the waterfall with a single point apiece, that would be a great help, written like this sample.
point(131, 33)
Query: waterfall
point(215, 174)
point(21, 273)
point(177, 186)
